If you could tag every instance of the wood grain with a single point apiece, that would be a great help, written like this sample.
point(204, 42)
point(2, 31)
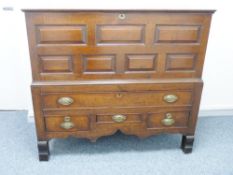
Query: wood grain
point(116, 64)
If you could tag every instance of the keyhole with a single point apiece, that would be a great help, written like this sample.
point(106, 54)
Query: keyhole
point(119, 95)
point(121, 16)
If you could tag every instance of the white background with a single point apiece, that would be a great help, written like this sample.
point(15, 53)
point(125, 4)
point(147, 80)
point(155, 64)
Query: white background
point(15, 73)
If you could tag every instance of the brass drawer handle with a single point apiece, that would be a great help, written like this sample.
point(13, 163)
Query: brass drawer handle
point(67, 124)
point(170, 98)
point(168, 120)
point(66, 101)
point(119, 118)
point(121, 16)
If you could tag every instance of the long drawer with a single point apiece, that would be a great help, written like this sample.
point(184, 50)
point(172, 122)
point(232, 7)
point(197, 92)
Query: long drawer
point(117, 99)
point(124, 94)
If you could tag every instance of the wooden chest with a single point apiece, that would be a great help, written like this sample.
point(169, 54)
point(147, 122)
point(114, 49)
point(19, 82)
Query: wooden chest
point(98, 72)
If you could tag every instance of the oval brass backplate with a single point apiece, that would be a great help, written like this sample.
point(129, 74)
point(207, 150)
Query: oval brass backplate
point(65, 101)
point(168, 120)
point(67, 124)
point(119, 118)
point(170, 98)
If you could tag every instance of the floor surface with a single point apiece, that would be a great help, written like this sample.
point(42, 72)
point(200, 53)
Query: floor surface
point(117, 154)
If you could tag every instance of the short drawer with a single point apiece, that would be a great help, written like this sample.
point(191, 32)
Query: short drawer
point(71, 123)
point(152, 120)
point(67, 123)
point(177, 119)
point(120, 118)
point(117, 99)
point(100, 121)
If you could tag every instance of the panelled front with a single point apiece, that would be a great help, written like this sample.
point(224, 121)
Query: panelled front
point(101, 45)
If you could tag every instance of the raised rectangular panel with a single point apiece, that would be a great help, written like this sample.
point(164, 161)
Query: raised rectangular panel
point(140, 62)
point(99, 63)
point(177, 34)
point(180, 62)
point(120, 34)
point(61, 34)
point(56, 64)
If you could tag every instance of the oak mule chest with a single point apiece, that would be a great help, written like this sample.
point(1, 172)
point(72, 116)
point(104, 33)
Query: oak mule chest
point(96, 72)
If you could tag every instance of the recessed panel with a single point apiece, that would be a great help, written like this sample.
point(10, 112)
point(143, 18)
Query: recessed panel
point(99, 63)
point(61, 34)
point(120, 34)
point(140, 62)
point(180, 62)
point(56, 64)
point(177, 34)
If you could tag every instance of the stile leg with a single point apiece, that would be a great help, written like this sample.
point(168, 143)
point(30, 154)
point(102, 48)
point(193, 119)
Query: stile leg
point(187, 143)
point(43, 149)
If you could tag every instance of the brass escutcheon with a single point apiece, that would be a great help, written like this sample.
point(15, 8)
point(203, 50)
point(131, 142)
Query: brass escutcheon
point(121, 16)
point(119, 95)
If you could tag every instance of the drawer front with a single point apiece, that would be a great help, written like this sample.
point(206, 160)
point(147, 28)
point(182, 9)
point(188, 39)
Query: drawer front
point(156, 120)
point(118, 44)
point(168, 119)
point(92, 122)
point(117, 99)
point(67, 123)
